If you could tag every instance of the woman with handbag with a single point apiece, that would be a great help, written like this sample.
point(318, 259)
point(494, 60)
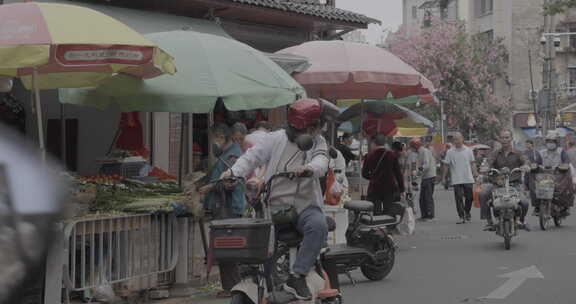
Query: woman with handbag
point(386, 185)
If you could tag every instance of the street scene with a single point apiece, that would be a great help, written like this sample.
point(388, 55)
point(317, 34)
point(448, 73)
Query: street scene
point(448, 263)
point(287, 151)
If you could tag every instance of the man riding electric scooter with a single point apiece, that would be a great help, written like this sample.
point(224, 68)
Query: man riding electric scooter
point(299, 198)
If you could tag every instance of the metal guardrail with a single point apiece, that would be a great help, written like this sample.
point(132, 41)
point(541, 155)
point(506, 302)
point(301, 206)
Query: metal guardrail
point(116, 249)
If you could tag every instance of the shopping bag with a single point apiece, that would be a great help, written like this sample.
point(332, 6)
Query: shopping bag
point(476, 195)
point(408, 223)
point(329, 196)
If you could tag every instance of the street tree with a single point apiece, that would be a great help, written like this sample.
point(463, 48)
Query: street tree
point(558, 6)
point(463, 69)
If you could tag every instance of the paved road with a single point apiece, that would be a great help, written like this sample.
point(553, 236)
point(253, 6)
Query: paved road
point(446, 263)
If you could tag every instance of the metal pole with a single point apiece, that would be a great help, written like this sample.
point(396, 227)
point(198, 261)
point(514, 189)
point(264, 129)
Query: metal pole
point(361, 127)
point(442, 132)
point(63, 136)
point(533, 93)
point(39, 119)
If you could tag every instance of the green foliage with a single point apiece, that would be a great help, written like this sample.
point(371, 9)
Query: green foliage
point(558, 7)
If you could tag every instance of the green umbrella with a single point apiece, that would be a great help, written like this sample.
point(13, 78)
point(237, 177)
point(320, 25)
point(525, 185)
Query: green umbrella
point(209, 67)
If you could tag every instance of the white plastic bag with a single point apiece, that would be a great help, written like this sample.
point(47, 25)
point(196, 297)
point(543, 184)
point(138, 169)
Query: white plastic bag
point(408, 223)
point(573, 173)
point(337, 190)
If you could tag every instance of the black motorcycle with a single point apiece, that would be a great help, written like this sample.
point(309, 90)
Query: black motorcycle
point(504, 202)
point(369, 245)
point(554, 192)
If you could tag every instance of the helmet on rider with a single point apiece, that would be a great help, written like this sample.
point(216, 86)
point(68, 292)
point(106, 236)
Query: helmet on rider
point(551, 141)
point(309, 116)
point(306, 113)
point(415, 144)
point(552, 137)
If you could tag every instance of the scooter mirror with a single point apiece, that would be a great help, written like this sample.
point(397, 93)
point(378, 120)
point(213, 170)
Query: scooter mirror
point(304, 142)
point(31, 194)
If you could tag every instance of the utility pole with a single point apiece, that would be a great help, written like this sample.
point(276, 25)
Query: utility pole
point(547, 100)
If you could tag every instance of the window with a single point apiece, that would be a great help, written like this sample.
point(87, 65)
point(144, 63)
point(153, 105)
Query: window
point(414, 12)
point(488, 35)
point(572, 38)
point(572, 77)
point(485, 7)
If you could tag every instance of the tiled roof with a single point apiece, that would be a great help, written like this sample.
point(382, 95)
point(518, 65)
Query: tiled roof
point(311, 8)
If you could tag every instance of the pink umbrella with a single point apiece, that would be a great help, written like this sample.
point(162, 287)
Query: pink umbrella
point(341, 69)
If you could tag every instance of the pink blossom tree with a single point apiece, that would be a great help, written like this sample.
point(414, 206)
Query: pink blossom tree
point(463, 69)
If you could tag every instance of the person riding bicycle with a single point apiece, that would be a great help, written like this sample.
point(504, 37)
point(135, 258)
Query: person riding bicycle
point(279, 152)
point(506, 157)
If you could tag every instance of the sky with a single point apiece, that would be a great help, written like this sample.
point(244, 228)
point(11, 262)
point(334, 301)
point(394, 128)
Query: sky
point(389, 12)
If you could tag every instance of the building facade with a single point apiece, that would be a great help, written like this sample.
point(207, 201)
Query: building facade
point(520, 23)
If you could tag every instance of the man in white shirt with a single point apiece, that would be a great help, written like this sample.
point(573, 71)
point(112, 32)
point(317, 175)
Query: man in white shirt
point(460, 160)
point(279, 152)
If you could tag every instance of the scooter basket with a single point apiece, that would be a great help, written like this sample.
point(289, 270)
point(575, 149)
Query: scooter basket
point(242, 240)
point(544, 186)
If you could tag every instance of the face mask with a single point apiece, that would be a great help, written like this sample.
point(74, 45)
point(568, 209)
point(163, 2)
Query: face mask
point(551, 146)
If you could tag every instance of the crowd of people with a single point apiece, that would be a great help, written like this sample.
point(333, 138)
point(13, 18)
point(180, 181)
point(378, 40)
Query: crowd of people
point(394, 171)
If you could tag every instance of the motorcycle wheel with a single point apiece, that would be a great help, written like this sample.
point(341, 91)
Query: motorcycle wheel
point(507, 235)
point(377, 272)
point(544, 216)
point(558, 221)
point(335, 300)
point(240, 298)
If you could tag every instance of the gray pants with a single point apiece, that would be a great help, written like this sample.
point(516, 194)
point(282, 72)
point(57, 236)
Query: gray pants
point(485, 209)
point(427, 197)
point(314, 229)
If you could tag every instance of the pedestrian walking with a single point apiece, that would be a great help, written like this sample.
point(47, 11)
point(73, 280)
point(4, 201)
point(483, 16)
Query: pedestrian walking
point(386, 186)
point(460, 161)
point(427, 169)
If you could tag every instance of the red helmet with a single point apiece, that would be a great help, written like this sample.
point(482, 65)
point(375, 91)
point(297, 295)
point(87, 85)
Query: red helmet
point(415, 144)
point(306, 112)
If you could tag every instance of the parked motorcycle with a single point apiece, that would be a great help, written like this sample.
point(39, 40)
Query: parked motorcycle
point(552, 207)
point(369, 245)
point(505, 206)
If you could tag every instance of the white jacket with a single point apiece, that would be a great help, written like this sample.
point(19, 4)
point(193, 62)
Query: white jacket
point(269, 152)
point(339, 164)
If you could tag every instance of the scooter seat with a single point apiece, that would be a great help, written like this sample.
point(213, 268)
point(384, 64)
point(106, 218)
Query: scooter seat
point(359, 206)
point(289, 235)
point(377, 220)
